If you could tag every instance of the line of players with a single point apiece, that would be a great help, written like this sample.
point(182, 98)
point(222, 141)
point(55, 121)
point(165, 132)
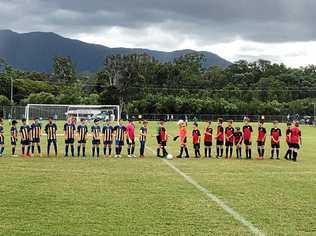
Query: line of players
point(231, 136)
point(30, 137)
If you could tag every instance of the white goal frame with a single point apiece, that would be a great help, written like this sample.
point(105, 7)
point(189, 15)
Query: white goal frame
point(28, 106)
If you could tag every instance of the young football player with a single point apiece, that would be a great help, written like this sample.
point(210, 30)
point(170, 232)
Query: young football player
point(51, 131)
point(25, 138)
point(107, 132)
point(36, 132)
point(220, 139)
point(288, 155)
point(247, 133)
point(229, 139)
point(208, 137)
point(1, 137)
point(238, 142)
point(69, 133)
point(158, 137)
point(275, 140)
point(183, 133)
point(142, 138)
point(261, 140)
point(296, 140)
point(130, 131)
point(14, 137)
point(96, 139)
point(119, 133)
point(82, 132)
point(196, 138)
point(163, 139)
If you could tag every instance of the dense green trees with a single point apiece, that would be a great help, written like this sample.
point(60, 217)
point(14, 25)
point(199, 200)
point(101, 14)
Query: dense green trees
point(141, 84)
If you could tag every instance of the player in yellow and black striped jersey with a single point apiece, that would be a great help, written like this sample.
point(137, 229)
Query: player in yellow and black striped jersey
point(107, 132)
point(69, 131)
point(1, 137)
point(51, 131)
point(36, 132)
point(119, 133)
point(25, 137)
point(96, 138)
point(82, 131)
point(14, 137)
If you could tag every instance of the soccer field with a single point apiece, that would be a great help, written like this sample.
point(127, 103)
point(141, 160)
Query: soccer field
point(49, 196)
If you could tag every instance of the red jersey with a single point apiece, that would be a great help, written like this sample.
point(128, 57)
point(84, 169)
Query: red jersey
point(247, 130)
point(229, 133)
point(163, 134)
point(208, 135)
point(238, 137)
point(196, 136)
point(261, 133)
point(220, 133)
point(275, 135)
point(295, 134)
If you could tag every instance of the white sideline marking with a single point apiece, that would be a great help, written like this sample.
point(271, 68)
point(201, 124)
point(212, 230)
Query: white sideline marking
point(215, 199)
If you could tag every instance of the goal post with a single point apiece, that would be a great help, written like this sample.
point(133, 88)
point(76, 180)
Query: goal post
point(62, 111)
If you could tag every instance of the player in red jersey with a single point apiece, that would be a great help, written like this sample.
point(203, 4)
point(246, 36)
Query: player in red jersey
point(288, 155)
point(296, 140)
point(219, 139)
point(196, 138)
point(229, 139)
point(208, 136)
point(238, 141)
point(275, 140)
point(247, 133)
point(261, 140)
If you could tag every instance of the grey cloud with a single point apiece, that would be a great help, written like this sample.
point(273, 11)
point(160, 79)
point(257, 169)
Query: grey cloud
point(205, 20)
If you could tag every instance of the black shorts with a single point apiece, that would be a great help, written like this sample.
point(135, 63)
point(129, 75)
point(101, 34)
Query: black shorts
point(36, 140)
point(219, 143)
point(82, 141)
point(25, 142)
point(13, 143)
point(207, 143)
point(196, 146)
point(69, 141)
point(275, 145)
point(289, 144)
point(158, 139)
point(107, 142)
point(295, 145)
point(229, 144)
point(163, 143)
point(130, 142)
point(247, 142)
point(260, 143)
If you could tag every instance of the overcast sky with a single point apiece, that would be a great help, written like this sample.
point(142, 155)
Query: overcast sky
point(277, 30)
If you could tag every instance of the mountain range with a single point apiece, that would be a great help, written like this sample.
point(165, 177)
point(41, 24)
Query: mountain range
point(35, 51)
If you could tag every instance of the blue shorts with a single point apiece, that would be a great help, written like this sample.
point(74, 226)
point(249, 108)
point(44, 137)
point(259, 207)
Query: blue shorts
point(70, 141)
point(1, 142)
point(107, 142)
point(36, 140)
point(96, 142)
point(25, 142)
point(119, 142)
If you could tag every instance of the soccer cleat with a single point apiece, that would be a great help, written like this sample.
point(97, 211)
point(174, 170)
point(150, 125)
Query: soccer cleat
point(271, 158)
point(129, 155)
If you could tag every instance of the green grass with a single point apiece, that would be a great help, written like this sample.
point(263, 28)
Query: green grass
point(48, 196)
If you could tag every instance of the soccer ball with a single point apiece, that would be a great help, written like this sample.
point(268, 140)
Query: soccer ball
point(169, 157)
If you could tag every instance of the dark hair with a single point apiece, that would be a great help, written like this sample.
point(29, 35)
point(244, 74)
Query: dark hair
point(23, 120)
point(237, 128)
point(297, 124)
point(288, 123)
point(96, 120)
point(82, 119)
point(220, 120)
point(50, 118)
point(196, 124)
point(14, 122)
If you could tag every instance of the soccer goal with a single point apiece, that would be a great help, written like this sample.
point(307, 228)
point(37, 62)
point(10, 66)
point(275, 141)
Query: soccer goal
point(61, 112)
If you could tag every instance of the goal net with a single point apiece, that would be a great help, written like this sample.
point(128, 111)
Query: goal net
point(62, 112)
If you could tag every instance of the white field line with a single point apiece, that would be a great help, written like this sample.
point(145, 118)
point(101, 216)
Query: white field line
point(252, 228)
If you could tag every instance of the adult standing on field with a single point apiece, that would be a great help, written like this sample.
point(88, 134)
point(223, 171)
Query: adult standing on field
point(247, 133)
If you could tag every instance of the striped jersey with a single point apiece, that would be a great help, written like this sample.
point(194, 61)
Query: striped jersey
point(51, 130)
point(24, 131)
point(14, 133)
point(107, 132)
point(96, 131)
point(1, 133)
point(143, 134)
point(69, 130)
point(119, 132)
point(82, 131)
point(35, 130)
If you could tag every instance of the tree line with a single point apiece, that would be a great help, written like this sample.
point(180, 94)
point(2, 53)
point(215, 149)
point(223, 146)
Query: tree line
point(143, 85)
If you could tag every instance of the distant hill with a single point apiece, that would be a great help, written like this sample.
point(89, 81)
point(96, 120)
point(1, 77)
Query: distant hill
point(36, 50)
